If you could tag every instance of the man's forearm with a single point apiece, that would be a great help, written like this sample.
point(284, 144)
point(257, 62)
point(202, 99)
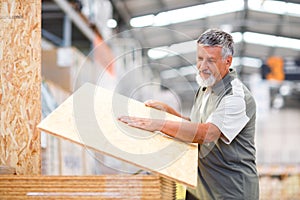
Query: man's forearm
point(182, 130)
point(185, 131)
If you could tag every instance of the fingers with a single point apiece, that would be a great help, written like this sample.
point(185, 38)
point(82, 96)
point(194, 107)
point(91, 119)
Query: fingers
point(142, 123)
point(135, 122)
point(125, 119)
point(155, 104)
point(131, 121)
point(150, 103)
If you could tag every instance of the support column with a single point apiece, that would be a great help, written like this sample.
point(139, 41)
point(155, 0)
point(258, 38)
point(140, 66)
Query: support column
point(67, 31)
point(20, 85)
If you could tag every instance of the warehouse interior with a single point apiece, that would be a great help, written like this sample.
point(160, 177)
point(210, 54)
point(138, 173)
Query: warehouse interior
point(147, 50)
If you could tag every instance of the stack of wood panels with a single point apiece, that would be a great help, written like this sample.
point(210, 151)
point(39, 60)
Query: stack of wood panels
point(168, 188)
point(87, 187)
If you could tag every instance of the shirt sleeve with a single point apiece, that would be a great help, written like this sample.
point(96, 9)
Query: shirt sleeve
point(230, 117)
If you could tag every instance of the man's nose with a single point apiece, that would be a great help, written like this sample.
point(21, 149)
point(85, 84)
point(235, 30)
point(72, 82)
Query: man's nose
point(202, 66)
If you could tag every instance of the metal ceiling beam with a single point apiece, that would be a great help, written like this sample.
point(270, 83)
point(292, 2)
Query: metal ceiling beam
point(276, 32)
point(76, 19)
point(122, 11)
point(49, 6)
point(51, 37)
point(67, 31)
point(243, 28)
point(52, 15)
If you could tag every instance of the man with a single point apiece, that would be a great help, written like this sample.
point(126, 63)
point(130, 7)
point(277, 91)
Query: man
point(222, 121)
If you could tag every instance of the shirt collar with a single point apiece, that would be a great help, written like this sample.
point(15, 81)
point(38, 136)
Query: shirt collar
point(223, 83)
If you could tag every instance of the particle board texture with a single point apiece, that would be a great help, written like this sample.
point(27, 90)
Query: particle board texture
point(89, 118)
point(151, 187)
point(20, 85)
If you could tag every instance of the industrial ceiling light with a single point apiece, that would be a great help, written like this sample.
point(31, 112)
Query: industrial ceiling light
point(251, 62)
point(142, 21)
point(174, 49)
point(188, 13)
point(158, 53)
point(111, 23)
point(271, 40)
point(182, 48)
point(213, 9)
point(276, 7)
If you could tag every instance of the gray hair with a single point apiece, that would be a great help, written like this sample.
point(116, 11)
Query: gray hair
point(216, 37)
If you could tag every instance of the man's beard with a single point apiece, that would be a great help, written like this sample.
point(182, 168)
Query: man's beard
point(210, 81)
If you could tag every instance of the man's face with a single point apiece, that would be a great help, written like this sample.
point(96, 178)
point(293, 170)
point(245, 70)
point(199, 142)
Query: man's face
point(210, 64)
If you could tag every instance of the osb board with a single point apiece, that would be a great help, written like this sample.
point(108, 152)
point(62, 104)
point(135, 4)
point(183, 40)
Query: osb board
point(89, 118)
point(20, 61)
point(85, 187)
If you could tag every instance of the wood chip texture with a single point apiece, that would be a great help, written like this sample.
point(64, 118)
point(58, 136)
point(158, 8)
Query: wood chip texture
point(20, 83)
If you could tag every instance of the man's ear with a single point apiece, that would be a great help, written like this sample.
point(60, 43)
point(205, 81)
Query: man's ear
point(228, 61)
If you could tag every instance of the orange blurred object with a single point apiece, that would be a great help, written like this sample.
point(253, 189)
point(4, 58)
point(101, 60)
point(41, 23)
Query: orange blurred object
point(276, 65)
point(104, 55)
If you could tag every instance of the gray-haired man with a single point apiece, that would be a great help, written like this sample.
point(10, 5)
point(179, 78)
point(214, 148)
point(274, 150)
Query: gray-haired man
point(222, 121)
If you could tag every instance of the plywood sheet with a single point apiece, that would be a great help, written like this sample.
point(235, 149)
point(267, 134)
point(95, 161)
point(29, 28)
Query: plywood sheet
point(109, 187)
point(89, 118)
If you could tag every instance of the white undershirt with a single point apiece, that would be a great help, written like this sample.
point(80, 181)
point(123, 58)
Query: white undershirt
point(204, 100)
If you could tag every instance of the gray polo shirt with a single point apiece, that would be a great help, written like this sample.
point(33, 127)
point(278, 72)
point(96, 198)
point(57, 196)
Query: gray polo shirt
point(227, 168)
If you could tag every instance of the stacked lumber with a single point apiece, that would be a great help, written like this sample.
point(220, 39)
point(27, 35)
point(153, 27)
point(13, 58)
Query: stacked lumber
point(87, 187)
point(168, 188)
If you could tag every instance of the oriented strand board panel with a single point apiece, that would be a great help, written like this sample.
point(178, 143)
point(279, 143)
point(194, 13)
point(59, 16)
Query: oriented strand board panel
point(20, 85)
point(89, 117)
